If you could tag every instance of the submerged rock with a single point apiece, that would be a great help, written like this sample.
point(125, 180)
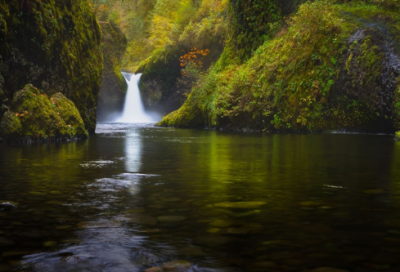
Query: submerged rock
point(328, 269)
point(143, 219)
point(240, 205)
point(176, 266)
point(192, 251)
point(221, 223)
point(7, 205)
point(4, 242)
point(154, 269)
point(170, 219)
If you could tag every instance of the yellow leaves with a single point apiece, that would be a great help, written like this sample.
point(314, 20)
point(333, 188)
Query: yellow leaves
point(160, 31)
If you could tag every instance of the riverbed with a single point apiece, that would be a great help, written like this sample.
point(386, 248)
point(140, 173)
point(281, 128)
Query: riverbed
point(133, 197)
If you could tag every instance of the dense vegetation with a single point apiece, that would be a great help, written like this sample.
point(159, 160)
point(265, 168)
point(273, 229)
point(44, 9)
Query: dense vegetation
point(265, 65)
point(329, 66)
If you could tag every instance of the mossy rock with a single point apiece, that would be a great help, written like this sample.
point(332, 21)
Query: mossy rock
point(328, 68)
point(54, 45)
point(10, 125)
point(33, 116)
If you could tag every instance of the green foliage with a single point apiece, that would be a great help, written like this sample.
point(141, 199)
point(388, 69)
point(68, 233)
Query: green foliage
point(252, 24)
point(397, 136)
point(289, 82)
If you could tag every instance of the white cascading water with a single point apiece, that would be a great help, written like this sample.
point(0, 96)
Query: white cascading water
point(133, 109)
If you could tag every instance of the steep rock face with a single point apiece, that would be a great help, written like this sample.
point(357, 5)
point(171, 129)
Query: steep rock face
point(160, 75)
point(35, 117)
point(364, 94)
point(54, 45)
point(113, 85)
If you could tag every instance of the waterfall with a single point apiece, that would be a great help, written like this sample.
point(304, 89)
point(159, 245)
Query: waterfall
point(133, 109)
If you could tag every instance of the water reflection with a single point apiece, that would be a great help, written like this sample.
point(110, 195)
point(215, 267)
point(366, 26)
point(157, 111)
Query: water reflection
point(133, 151)
point(132, 197)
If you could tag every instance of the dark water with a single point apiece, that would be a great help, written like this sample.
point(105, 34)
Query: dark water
point(132, 197)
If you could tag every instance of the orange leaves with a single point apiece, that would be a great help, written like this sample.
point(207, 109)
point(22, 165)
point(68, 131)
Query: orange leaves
point(195, 57)
point(21, 114)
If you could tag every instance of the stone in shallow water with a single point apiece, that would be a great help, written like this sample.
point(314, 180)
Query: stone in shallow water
point(100, 224)
point(265, 264)
point(54, 202)
point(243, 214)
point(50, 243)
point(150, 231)
point(176, 266)
point(170, 218)
point(220, 223)
point(8, 205)
point(310, 203)
point(328, 269)
point(374, 192)
point(241, 231)
point(213, 241)
point(192, 251)
point(30, 235)
point(213, 230)
point(6, 242)
point(240, 205)
point(37, 193)
point(5, 268)
point(154, 269)
point(135, 211)
point(63, 227)
point(15, 253)
point(143, 219)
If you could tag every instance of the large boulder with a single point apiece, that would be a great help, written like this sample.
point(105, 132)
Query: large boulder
point(35, 117)
point(54, 45)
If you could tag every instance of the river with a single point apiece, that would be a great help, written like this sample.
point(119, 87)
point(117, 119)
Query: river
point(134, 197)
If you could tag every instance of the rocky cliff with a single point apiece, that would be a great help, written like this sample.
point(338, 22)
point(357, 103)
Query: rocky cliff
point(54, 45)
point(113, 85)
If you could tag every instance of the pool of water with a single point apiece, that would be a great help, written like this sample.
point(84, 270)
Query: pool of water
point(133, 197)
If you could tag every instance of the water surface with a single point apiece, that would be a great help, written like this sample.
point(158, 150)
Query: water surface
point(136, 196)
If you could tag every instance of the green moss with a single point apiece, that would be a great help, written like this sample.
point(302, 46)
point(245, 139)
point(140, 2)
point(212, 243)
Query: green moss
point(10, 125)
point(54, 45)
point(68, 113)
point(34, 115)
point(306, 78)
